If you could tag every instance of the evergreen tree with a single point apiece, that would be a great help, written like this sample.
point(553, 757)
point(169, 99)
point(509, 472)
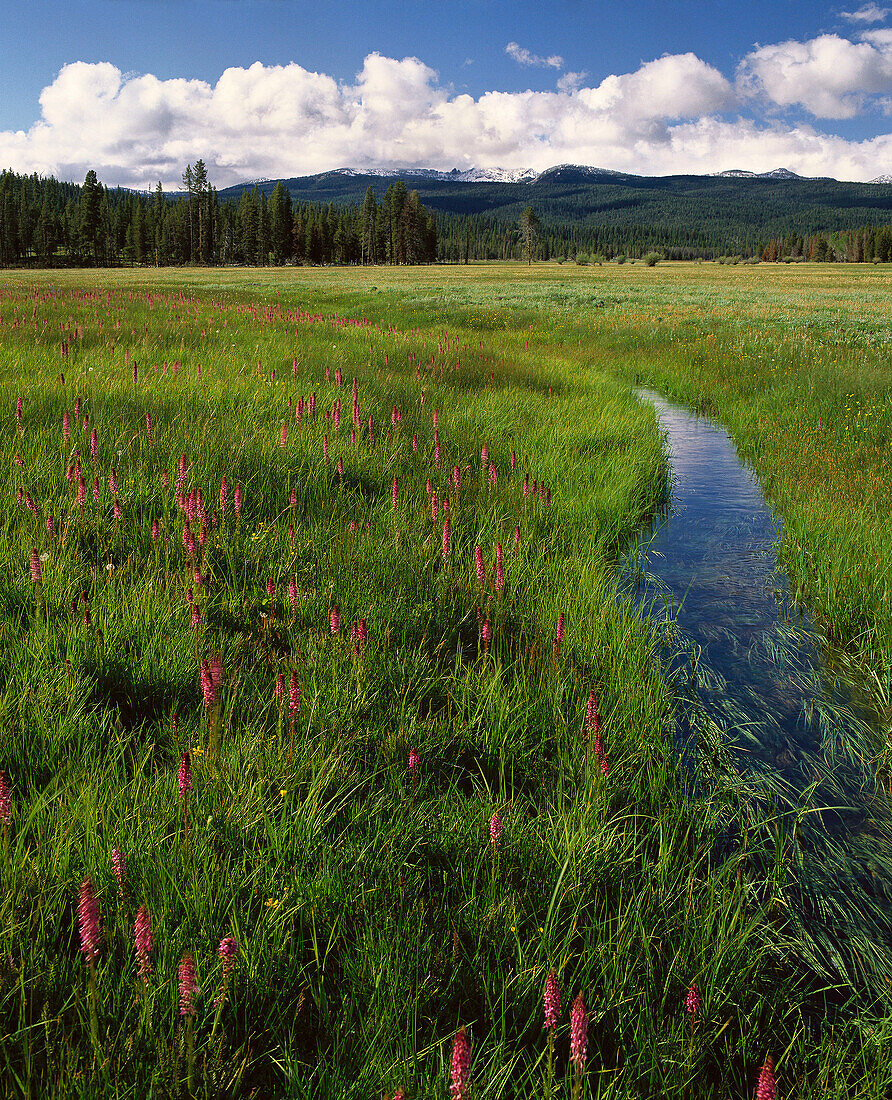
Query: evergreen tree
point(280, 223)
point(90, 217)
point(369, 236)
point(529, 226)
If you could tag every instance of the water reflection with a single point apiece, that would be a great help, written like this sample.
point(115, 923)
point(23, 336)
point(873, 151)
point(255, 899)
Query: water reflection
point(710, 561)
point(748, 665)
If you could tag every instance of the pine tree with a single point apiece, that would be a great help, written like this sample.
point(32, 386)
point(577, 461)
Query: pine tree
point(90, 216)
point(368, 221)
point(280, 223)
point(529, 225)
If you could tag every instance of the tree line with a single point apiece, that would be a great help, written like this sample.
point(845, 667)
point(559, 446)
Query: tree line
point(45, 222)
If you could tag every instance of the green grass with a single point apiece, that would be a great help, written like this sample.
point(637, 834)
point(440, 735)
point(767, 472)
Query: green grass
point(372, 915)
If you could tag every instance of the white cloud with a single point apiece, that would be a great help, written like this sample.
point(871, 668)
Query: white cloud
point(669, 115)
point(570, 82)
point(829, 76)
point(523, 57)
point(867, 13)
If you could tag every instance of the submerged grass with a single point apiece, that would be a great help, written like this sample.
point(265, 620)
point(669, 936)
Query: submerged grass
point(373, 915)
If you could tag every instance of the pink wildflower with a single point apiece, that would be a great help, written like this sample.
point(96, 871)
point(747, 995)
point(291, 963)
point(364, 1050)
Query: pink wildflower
point(36, 570)
point(481, 566)
point(592, 718)
point(5, 800)
point(207, 686)
point(552, 1000)
point(559, 635)
point(88, 921)
point(119, 866)
point(293, 695)
point(184, 776)
point(334, 620)
point(495, 830)
point(460, 1078)
point(94, 444)
point(766, 1087)
point(447, 539)
point(414, 761)
point(578, 1033)
point(227, 952)
point(237, 500)
point(188, 985)
point(693, 1001)
point(224, 495)
point(142, 943)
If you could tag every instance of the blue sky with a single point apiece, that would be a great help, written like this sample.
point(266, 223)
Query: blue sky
point(136, 88)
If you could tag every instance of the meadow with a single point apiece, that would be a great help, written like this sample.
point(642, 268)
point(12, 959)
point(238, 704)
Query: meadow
point(333, 762)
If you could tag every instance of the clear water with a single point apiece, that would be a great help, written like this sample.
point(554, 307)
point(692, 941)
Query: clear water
point(710, 566)
point(749, 664)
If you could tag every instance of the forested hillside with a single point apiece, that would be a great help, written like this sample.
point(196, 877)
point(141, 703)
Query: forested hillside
point(610, 213)
point(44, 222)
point(348, 218)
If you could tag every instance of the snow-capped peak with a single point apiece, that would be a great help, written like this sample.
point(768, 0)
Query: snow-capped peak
point(471, 175)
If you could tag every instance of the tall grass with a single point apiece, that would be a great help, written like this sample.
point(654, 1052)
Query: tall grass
point(372, 915)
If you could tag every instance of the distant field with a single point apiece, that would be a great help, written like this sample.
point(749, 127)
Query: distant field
point(372, 767)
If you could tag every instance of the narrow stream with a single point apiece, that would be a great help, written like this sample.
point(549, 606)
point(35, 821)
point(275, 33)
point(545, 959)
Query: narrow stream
point(709, 564)
point(752, 663)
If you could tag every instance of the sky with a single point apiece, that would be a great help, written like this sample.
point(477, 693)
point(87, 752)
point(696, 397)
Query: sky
point(137, 89)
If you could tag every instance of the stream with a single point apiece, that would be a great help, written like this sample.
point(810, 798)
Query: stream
point(750, 663)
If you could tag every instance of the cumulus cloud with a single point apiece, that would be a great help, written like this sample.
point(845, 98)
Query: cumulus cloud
point(669, 115)
point(867, 13)
point(523, 57)
point(829, 76)
point(569, 82)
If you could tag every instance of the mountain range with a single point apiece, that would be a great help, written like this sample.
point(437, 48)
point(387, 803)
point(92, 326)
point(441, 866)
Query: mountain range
point(530, 175)
point(600, 210)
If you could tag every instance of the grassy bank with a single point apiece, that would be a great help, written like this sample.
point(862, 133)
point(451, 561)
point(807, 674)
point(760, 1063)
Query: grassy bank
point(348, 763)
